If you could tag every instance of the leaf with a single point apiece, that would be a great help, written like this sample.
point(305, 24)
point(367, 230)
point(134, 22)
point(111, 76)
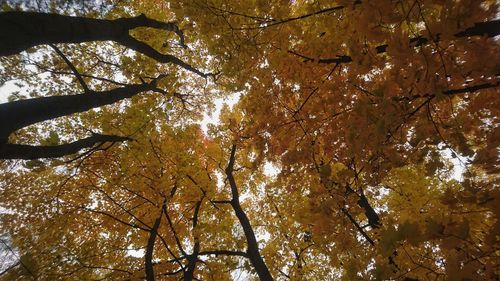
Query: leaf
point(355, 104)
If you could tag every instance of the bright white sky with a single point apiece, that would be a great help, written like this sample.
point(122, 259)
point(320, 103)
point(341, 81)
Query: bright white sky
point(213, 118)
point(6, 90)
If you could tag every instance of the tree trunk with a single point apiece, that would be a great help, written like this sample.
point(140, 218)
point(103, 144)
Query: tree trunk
point(150, 275)
point(193, 258)
point(252, 244)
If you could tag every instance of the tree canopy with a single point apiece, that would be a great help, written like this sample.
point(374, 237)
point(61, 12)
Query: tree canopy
point(363, 145)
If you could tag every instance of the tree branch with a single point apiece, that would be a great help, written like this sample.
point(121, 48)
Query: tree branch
point(286, 20)
point(142, 20)
point(373, 218)
point(189, 273)
point(471, 89)
point(21, 151)
point(252, 244)
point(23, 113)
point(24, 30)
point(360, 229)
point(150, 276)
point(72, 67)
point(145, 49)
point(488, 29)
point(174, 232)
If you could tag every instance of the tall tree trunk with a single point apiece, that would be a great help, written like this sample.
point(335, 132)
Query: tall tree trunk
point(192, 259)
point(252, 244)
point(150, 275)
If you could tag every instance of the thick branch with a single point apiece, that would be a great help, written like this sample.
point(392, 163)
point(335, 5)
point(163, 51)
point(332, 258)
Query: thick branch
point(28, 29)
point(24, 30)
point(189, 273)
point(149, 51)
point(488, 29)
point(20, 151)
point(143, 21)
point(373, 218)
point(252, 244)
point(23, 113)
point(471, 89)
point(150, 276)
point(452, 92)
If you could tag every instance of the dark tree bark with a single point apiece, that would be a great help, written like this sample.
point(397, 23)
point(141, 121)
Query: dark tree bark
point(28, 152)
point(488, 29)
point(19, 114)
point(23, 113)
point(224, 253)
point(373, 218)
point(193, 258)
point(358, 227)
point(150, 275)
point(22, 30)
point(252, 244)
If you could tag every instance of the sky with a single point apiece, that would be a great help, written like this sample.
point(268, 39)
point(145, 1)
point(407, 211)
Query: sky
point(6, 89)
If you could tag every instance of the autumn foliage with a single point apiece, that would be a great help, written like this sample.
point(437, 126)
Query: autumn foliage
point(363, 144)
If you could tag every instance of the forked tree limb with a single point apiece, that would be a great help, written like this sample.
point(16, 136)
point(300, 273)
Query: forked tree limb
point(20, 31)
point(23, 113)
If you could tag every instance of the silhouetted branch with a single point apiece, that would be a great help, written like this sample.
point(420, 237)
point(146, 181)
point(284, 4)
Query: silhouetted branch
point(360, 229)
point(488, 29)
point(26, 112)
point(21, 151)
point(148, 257)
point(72, 67)
point(192, 259)
point(29, 29)
point(224, 253)
point(252, 244)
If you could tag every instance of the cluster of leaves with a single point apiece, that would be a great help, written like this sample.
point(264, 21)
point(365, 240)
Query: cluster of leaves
point(362, 109)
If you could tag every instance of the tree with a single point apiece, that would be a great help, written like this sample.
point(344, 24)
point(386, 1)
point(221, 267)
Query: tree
point(163, 210)
point(400, 88)
point(363, 110)
point(27, 29)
